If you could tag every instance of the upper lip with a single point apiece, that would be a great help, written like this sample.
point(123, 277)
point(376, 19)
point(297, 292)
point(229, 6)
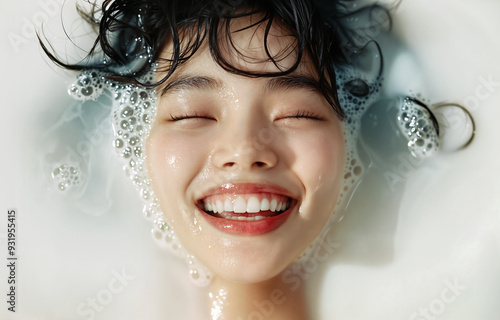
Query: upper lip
point(246, 188)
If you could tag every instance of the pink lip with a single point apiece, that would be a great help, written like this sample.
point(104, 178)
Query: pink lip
point(248, 228)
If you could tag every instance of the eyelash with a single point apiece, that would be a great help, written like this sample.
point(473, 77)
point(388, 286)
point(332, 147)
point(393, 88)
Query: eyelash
point(187, 116)
point(306, 114)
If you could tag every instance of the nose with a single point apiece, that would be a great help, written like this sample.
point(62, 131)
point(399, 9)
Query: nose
point(245, 147)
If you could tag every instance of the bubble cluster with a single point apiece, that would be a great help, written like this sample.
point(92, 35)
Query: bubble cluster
point(132, 122)
point(88, 86)
point(133, 112)
point(66, 176)
point(198, 272)
point(356, 94)
point(418, 126)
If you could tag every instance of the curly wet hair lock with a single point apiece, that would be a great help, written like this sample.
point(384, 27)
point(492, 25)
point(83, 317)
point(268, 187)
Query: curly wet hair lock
point(132, 34)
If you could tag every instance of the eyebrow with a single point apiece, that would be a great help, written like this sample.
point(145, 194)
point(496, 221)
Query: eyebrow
point(199, 83)
point(202, 83)
point(291, 82)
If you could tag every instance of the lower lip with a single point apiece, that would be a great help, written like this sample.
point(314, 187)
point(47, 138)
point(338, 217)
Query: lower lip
point(248, 228)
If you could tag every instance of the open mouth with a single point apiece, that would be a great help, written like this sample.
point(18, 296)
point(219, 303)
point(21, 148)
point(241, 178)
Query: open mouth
point(246, 214)
point(245, 207)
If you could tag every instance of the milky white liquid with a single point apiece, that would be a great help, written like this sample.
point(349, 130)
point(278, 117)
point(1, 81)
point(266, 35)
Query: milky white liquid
point(395, 251)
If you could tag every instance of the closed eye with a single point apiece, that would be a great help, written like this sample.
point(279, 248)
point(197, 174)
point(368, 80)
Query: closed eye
point(305, 114)
point(186, 116)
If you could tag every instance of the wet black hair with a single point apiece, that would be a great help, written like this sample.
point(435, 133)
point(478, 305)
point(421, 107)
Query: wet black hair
point(131, 36)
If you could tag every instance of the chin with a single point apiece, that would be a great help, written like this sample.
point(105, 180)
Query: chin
point(250, 273)
point(245, 267)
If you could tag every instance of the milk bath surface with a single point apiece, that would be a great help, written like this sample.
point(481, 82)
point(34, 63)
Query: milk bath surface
point(435, 252)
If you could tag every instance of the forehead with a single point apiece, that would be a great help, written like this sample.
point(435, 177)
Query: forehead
point(254, 46)
point(248, 44)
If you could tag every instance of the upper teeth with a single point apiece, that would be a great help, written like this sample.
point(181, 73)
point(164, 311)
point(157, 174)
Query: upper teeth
point(239, 205)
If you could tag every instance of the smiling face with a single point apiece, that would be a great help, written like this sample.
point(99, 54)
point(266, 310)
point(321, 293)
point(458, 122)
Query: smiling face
point(246, 170)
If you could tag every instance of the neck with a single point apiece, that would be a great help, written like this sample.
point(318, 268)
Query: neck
point(268, 300)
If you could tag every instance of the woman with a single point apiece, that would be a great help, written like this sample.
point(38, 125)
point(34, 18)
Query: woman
point(238, 122)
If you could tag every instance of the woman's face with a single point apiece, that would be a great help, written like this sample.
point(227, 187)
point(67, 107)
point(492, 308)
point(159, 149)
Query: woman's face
point(247, 170)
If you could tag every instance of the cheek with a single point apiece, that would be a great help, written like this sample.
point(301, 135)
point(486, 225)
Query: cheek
point(319, 164)
point(172, 162)
point(321, 155)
